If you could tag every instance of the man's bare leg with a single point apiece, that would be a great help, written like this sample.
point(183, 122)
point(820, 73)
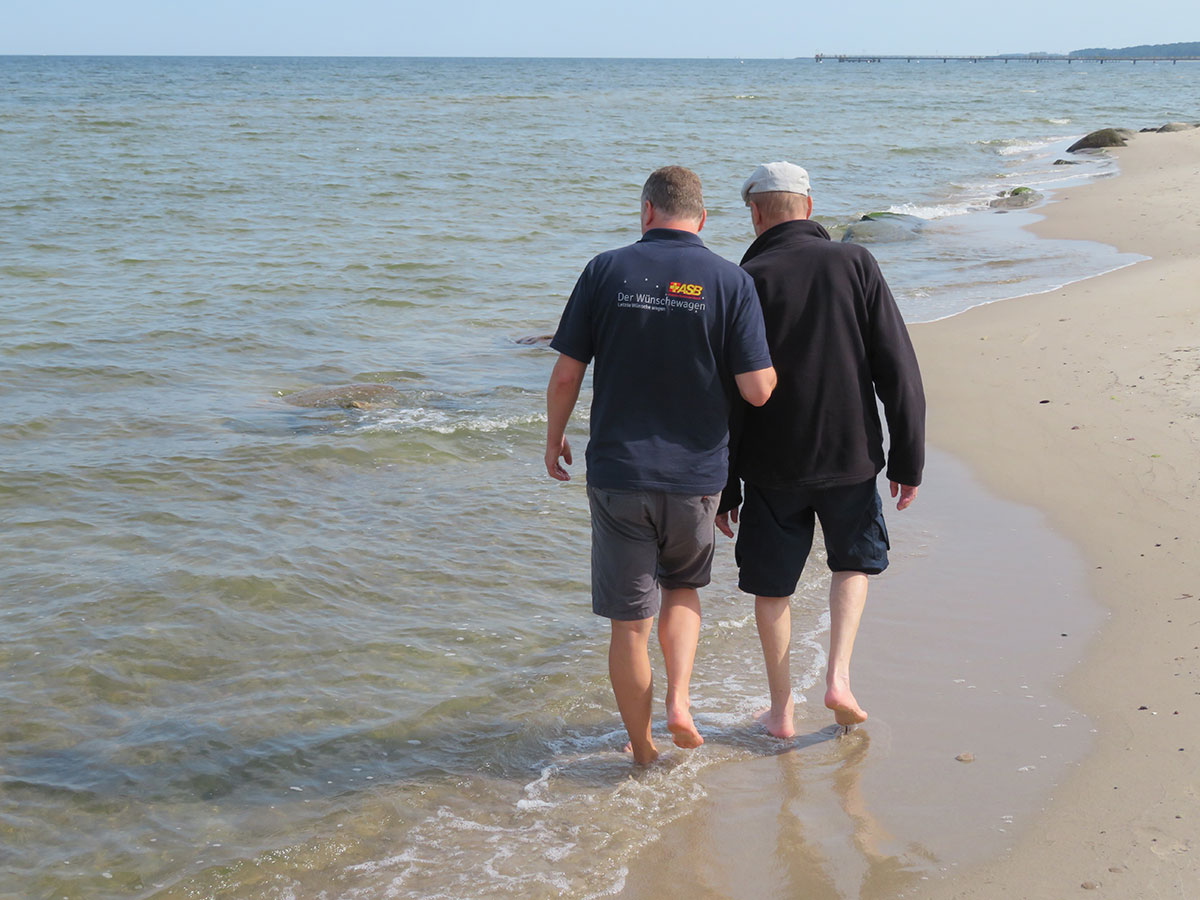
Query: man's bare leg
point(679, 633)
point(847, 597)
point(632, 681)
point(773, 615)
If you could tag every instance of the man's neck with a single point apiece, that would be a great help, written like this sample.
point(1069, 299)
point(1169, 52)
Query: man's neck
point(673, 225)
point(767, 224)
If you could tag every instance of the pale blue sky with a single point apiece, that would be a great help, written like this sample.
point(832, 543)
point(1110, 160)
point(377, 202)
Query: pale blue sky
point(621, 28)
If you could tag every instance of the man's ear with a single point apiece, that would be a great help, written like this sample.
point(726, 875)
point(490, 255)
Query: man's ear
point(647, 214)
point(703, 219)
point(755, 214)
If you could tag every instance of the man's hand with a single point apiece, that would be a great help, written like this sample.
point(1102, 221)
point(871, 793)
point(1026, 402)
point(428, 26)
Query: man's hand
point(555, 470)
point(561, 394)
point(723, 521)
point(907, 494)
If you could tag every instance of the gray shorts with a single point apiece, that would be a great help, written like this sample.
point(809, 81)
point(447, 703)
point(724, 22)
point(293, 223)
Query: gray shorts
point(643, 540)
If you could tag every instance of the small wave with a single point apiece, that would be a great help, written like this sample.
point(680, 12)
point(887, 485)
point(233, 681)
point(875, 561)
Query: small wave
point(440, 422)
point(1015, 147)
point(920, 151)
point(30, 272)
point(928, 212)
point(108, 123)
point(1022, 147)
point(390, 302)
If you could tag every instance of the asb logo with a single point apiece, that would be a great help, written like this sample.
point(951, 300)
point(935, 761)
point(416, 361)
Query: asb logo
point(680, 289)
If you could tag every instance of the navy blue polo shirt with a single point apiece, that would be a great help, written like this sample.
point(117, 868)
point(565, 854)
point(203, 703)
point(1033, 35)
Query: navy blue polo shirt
point(668, 323)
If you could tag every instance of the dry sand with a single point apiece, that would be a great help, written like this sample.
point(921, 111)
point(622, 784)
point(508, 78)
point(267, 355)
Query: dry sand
point(1073, 423)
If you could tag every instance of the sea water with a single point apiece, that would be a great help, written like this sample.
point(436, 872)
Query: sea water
point(252, 649)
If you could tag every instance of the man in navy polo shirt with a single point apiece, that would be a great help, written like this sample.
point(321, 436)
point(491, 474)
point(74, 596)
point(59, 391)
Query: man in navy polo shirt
point(675, 331)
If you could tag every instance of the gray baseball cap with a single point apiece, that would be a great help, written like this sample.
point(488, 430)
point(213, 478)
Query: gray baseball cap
point(776, 176)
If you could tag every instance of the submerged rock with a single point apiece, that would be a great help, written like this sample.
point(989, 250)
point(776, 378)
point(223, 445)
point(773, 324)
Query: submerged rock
point(883, 228)
point(345, 396)
point(1105, 137)
point(1017, 198)
point(535, 340)
point(1066, 162)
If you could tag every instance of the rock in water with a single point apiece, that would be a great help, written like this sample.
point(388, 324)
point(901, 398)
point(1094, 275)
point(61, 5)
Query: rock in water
point(1105, 137)
point(535, 340)
point(346, 396)
point(1017, 198)
point(883, 228)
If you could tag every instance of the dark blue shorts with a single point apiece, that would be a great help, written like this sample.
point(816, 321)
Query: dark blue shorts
point(775, 534)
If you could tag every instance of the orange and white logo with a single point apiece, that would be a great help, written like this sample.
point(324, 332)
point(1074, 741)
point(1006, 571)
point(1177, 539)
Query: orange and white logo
point(681, 289)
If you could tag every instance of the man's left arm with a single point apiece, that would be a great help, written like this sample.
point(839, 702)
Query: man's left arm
point(749, 356)
point(897, 378)
point(561, 395)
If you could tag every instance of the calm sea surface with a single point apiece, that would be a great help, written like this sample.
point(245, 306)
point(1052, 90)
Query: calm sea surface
point(251, 649)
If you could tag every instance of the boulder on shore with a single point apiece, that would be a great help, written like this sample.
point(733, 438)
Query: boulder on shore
point(1105, 137)
point(1017, 198)
point(883, 228)
point(1176, 126)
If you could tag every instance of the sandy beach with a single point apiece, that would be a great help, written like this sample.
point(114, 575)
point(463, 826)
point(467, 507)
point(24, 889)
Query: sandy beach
point(1044, 618)
point(1084, 403)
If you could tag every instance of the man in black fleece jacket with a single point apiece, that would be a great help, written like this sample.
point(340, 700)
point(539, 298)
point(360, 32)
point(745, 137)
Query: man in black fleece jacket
point(837, 340)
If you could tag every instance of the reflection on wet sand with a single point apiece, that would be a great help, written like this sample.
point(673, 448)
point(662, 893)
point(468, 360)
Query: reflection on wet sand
point(794, 823)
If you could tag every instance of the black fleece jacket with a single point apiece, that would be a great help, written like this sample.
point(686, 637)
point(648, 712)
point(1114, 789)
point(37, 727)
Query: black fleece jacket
point(837, 340)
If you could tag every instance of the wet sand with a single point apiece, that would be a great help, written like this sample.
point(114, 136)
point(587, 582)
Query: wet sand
point(1072, 423)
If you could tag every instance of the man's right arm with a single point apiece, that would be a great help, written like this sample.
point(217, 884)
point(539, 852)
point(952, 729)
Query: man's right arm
point(756, 387)
point(561, 394)
point(748, 346)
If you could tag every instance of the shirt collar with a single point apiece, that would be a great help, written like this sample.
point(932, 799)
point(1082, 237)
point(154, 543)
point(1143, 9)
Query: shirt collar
point(671, 234)
point(785, 232)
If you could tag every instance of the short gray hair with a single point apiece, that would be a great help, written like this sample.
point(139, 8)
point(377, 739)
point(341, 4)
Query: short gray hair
point(783, 205)
point(675, 192)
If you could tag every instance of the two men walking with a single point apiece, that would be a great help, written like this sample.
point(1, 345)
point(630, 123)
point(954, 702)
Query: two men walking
point(681, 350)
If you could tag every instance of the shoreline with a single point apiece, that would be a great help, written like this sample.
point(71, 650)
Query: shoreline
point(1075, 404)
point(1082, 403)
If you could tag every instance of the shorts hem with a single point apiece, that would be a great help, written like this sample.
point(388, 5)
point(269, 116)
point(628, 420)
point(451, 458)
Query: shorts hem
point(624, 617)
point(865, 570)
point(684, 585)
point(757, 593)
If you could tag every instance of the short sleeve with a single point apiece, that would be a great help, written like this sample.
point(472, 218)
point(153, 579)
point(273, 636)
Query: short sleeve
point(574, 335)
point(747, 348)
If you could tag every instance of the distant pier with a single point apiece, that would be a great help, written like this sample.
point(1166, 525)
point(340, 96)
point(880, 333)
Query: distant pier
point(847, 58)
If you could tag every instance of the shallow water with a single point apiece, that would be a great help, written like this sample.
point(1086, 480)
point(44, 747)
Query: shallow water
point(257, 650)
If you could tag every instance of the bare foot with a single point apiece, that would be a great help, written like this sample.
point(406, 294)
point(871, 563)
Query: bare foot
point(779, 723)
point(643, 759)
point(846, 710)
point(683, 729)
